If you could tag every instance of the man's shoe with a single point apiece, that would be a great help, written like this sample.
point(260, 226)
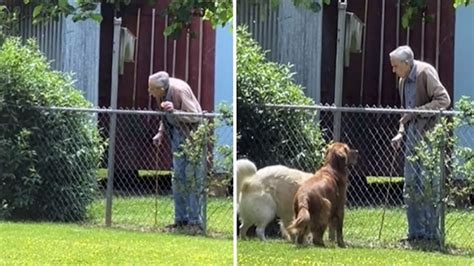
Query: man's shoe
point(430, 242)
point(420, 241)
point(194, 229)
point(176, 225)
point(410, 240)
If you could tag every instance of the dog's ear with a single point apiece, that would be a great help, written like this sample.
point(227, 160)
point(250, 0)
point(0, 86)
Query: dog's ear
point(337, 157)
point(329, 154)
point(329, 149)
point(341, 155)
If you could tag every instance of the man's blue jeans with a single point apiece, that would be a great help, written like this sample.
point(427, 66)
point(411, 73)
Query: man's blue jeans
point(188, 188)
point(420, 193)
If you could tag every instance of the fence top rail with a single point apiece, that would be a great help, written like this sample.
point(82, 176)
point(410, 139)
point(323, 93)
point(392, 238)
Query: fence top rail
point(330, 108)
point(125, 111)
point(376, 110)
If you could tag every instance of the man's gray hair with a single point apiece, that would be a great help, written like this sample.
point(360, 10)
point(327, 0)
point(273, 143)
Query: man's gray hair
point(160, 79)
point(403, 53)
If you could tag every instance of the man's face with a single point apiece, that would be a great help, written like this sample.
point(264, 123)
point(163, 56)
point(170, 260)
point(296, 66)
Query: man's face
point(402, 69)
point(155, 91)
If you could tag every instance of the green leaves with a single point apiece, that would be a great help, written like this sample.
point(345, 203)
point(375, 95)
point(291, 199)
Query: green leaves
point(96, 16)
point(447, 138)
point(220, 14)
point(268, 133)
point(205, 136)
point(180, 13)
point(43, 150)
point(63, 4)
point(309, 4)
point(414, 11)
point(458, 3)
point(37, 11)
point(172, 30)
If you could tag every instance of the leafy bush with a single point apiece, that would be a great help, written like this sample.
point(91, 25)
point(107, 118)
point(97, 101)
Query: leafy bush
point(444, 141)
point(261, 130)
point(48, 159)
point(220, 155)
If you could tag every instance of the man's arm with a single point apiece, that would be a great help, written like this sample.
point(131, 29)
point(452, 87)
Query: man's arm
point(161, 128)
point(158, 138)
point(403, 119)
point(162, 125)
point(438, 94)
point(188, 104)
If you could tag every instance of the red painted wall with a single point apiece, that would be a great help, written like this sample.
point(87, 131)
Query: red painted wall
point(352, 74)
point(126, 81)
point(376, 145)
point(134, 133)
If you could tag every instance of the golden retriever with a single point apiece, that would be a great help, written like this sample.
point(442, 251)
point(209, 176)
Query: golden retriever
point(320, 200)
point(267, 194)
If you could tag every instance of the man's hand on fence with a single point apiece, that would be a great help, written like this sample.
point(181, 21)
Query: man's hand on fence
point(396, 141)
point(167, 106)
point(158, 139)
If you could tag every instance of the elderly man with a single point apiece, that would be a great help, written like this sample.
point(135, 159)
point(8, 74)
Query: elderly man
point(173, 94)
point(419, 88)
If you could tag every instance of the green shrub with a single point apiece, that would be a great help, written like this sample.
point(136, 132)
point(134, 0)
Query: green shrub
point(220, 156)
point(445, 141)
point(268, 135)
point(48, 159)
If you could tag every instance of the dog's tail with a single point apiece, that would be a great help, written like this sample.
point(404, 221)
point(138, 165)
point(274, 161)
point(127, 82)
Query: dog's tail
point(302, 216)
point(302, 219)
point(245, 169)
point(243, 190)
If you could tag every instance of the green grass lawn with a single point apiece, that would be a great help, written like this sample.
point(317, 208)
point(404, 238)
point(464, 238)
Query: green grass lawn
point(361, 231)
point(277, 252)
point(362, 227)
point(72, 244)
point(156, 212)
point(102, 173)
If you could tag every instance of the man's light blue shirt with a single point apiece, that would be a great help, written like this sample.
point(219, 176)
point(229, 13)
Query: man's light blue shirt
point(410, 89)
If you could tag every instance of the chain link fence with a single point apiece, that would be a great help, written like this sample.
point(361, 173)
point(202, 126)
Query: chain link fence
point(296, 136)
point(132, 185)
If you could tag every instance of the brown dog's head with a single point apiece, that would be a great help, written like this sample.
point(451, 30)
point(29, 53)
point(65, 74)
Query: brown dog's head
point(340, 156)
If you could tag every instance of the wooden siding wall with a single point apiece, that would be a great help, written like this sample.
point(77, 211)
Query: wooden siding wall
point(374, 84)
point(291, 35)
point(179, 58)
point(71, 47)
point(424, 50)
point(191, 59)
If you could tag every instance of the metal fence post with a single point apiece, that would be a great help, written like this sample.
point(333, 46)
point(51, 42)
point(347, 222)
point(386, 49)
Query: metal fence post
point(442, 181)
point(341, 33)
point(113, 123)
point(204, 169)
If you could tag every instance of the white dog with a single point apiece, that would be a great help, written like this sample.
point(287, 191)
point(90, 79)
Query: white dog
point(267, 194)
point(245, 169)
